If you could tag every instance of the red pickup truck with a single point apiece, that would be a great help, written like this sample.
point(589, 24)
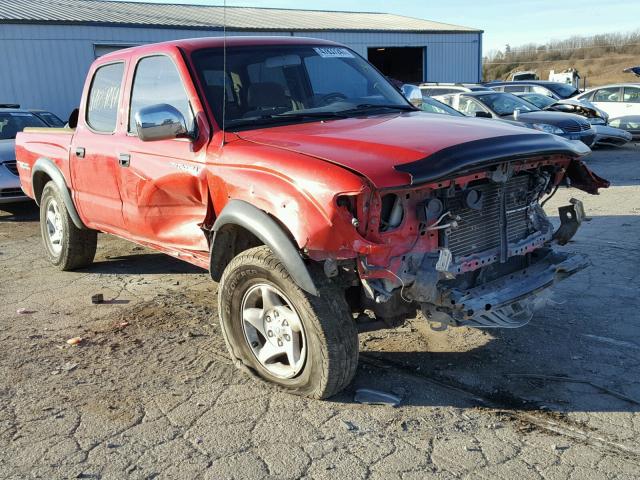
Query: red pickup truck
point(315, 193)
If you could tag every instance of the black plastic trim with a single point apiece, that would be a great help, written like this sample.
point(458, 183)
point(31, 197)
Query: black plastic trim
point(48, 167)
point(238, 212)
point(488, 151)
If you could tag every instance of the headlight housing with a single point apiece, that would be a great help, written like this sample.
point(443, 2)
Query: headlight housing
point(546, 128)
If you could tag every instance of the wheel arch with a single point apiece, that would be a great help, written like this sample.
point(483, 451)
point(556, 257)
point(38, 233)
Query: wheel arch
point(241, 226)
point(45, 170)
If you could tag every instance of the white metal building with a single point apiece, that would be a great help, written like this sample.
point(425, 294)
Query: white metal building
point(48, 45)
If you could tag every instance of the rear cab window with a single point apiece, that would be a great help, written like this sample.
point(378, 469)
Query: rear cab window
point(104, 98)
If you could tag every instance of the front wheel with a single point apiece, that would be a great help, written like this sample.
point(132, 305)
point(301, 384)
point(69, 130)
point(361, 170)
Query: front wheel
point(66, 246)
point(304, 343)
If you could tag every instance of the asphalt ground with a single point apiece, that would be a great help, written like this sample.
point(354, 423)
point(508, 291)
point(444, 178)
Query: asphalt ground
point(150, 392)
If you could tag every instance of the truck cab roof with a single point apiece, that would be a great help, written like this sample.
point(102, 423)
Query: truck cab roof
point(192, 44)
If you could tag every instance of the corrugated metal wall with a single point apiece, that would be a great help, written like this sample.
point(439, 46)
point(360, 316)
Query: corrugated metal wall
point(44, 66)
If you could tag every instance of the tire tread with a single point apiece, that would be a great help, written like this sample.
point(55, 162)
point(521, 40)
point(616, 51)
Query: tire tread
point(335, 328)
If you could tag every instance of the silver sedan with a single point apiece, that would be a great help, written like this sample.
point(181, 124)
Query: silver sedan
point(12, 121)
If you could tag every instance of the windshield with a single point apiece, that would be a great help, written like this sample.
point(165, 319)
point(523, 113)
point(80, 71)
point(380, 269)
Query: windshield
point(276, 83)
point(539, 100)
point(505, 103)
point(434, 106)
point(13, 122)
point(563, 90)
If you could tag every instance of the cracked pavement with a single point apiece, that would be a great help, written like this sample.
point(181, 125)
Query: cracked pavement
point(151, 393)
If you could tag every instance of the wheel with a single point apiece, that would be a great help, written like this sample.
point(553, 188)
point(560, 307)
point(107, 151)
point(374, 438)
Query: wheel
point(304, 343)
point(66, 246)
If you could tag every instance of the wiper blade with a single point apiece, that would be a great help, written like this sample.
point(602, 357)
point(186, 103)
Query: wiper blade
point(309, 115)
point(276, 117)
point(363, 107)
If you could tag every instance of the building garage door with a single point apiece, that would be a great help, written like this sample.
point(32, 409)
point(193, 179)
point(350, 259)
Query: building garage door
point(400, 63)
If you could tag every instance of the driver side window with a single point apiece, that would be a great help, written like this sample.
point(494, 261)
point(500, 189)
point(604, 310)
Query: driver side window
point(157, 81)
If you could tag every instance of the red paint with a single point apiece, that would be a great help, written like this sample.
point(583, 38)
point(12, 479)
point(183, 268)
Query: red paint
point(173, 189)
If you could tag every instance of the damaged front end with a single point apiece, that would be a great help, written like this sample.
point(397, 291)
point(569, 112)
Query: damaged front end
point(482, 248)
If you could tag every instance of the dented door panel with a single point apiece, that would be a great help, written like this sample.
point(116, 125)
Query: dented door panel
point(164, 193)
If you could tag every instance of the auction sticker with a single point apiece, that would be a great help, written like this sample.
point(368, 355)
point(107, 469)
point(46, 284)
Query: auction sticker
point(333, 52)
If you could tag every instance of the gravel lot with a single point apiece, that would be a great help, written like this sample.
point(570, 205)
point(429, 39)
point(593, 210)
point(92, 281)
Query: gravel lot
point(151, 393)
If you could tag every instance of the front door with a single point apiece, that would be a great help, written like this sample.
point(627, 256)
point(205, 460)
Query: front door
point(163, 182)
point(609, 100)
point(94, 153)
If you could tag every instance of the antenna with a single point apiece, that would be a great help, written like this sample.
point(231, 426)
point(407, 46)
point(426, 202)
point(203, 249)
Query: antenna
point(224, 68)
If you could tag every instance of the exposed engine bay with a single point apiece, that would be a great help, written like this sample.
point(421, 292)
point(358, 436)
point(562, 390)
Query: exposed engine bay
point(484, 253)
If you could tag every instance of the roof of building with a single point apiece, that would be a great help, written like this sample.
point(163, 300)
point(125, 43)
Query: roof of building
point(105, 12)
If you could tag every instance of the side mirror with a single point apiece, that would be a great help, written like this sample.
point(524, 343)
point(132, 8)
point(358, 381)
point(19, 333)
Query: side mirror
point(160, 122)
point(413, 94)
point(482, 114)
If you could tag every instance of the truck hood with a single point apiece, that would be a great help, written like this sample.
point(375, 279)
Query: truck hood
point(7, 150)
point(402, 148)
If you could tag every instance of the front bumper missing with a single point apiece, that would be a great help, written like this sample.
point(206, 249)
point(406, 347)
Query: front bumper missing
point(509, 301)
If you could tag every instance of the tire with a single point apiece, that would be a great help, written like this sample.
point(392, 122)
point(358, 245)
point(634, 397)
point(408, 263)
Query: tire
point(327, 338)
point(65, 245)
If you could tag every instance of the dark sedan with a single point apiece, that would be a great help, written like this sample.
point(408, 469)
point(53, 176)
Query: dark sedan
point(509, 107)
point(556, 90)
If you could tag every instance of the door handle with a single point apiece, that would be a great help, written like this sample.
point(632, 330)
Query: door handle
point(80, 152)
point(124, 160)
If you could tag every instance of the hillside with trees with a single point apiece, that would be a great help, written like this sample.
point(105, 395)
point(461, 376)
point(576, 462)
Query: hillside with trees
point(600, 59)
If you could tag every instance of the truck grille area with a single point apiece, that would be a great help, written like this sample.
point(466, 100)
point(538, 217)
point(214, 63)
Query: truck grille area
point(480, 230)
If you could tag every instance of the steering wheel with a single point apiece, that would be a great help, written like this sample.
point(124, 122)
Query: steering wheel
point(332, 97)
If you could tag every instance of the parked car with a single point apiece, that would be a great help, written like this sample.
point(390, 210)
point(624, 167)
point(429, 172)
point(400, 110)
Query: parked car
point(606, 135)
point(621, 102)
point(51, 119)
point(434, 89)
point(506, 106)
point(12, 121)
point(312, 190)
point(555, 90)
point(431, 105)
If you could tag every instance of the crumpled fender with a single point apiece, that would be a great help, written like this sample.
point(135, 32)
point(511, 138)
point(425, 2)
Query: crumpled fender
point(241, 213)
point(584, 179)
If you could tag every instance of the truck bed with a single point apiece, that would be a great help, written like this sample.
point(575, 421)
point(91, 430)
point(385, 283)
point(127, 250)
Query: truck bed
point(35, 143)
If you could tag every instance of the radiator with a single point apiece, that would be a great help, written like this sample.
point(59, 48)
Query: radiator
point(479, 230)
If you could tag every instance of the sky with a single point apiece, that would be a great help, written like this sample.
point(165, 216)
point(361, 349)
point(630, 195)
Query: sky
point(503, 21)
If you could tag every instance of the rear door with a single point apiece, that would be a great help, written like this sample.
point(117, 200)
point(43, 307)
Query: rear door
point(609, 100)
point(94, 152)
point(631, 101)
point(163, 182)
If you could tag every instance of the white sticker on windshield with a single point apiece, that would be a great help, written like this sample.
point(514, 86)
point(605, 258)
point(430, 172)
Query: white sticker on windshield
point(333, 52)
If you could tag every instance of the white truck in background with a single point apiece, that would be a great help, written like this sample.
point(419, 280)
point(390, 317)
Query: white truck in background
point(569, 76)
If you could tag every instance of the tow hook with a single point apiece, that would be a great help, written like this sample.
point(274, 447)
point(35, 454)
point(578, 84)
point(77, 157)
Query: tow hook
point(571, 217)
